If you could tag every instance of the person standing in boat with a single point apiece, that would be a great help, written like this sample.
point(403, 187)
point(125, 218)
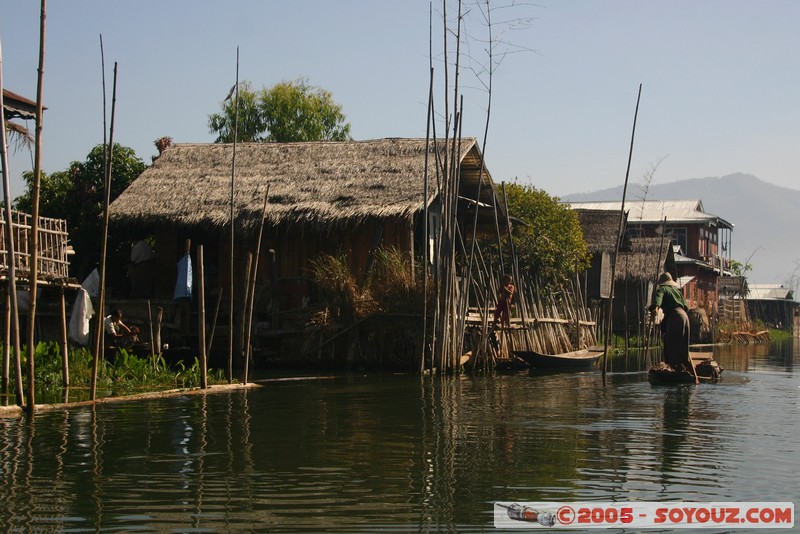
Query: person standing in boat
point(675, 325)
point(504, 298)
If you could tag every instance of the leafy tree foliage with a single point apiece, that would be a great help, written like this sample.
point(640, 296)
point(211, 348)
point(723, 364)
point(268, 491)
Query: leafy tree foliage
point(289, 111)
point(740, 269)
point(77, 195)
point(550, 245)
point(251, 123)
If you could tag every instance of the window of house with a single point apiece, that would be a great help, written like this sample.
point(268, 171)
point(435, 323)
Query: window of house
point(633, 232)
point(678, 236)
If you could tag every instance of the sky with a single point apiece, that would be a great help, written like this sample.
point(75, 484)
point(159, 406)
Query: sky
point(720, 79)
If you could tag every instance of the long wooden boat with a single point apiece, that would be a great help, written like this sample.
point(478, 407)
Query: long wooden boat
point(576, 359)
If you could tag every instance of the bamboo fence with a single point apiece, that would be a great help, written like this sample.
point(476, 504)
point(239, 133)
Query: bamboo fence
point(52, 261)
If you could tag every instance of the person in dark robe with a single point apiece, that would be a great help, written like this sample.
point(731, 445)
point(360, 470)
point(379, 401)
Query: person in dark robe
point(674, 326)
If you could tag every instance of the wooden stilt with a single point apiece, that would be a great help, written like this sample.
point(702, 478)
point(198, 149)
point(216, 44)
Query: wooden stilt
point(64, 341)
point(201, 320)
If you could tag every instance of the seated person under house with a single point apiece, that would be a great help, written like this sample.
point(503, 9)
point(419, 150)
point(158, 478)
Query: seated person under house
point(118, 334)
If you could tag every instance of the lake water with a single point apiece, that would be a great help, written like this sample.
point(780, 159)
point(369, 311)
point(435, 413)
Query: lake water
point(400, 453)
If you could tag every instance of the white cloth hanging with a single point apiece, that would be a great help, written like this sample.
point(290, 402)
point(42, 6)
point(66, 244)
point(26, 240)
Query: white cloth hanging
point(82, 312)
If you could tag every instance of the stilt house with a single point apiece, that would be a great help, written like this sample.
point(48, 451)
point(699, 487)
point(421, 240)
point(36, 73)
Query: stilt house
point(339, 198)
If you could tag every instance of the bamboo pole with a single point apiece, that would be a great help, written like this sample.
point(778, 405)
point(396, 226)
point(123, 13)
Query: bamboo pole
point(232, 221)
point(252, 289)
point(159, 318)
point(150, 332)
point(514, 263)
point(576, 294)
point(98, 345)
point(214, 322)
point(64, 342)
point(245, 304)
point(275, 295)
point(12, 260)
point(201, 302)
point(425, 230)
point(619, 236)
point(6, 333)
point(33, 240)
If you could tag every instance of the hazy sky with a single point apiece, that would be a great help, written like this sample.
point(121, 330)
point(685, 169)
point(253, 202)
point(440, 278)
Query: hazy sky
point(720, 79)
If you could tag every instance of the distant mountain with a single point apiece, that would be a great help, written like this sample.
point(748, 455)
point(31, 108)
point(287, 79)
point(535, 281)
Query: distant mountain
point(766, 218)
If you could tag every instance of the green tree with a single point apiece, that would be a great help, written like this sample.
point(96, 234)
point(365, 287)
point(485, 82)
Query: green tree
point(740, 269)
point(77, 195)
point(549, 244)
point(251, 122)
point(288, 111)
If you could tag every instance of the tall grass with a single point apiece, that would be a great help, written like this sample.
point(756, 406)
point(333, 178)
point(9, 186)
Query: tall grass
point(392, 283)
point(338, 288)
point(386, 313)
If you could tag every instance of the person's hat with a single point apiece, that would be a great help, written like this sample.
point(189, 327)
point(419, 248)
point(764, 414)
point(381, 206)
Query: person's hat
point(666, 280)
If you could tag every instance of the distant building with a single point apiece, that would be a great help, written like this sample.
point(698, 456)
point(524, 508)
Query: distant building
point(701, 241)
point(774, 305)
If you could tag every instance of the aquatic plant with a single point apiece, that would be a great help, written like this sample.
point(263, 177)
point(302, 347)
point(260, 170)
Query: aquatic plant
point(121, 373)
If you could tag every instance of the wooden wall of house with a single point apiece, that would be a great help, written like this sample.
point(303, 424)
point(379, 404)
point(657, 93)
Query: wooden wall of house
point(166, 240)
point(295, 246)
point(773, 313)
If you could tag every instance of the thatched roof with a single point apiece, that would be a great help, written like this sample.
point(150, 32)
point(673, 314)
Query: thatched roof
point(599, 228)
point(318, 183)
point(642, 260)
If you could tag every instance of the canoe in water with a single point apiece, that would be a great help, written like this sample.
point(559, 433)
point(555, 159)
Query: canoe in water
point(707, 371)
point(567, 360)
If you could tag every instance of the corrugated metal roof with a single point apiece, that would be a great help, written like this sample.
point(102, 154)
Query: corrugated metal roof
point(654, 211)
point(769, 291)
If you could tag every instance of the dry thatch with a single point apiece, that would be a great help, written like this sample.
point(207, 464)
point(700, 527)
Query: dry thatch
point(642, 261)
point(599, 228)
point(317, 183)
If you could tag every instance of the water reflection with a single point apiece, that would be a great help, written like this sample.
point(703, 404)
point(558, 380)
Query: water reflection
point(403, 453)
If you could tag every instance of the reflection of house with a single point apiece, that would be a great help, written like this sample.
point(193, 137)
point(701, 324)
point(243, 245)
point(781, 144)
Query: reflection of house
point(338, 198)
point(701, 240)
point(774, 305)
